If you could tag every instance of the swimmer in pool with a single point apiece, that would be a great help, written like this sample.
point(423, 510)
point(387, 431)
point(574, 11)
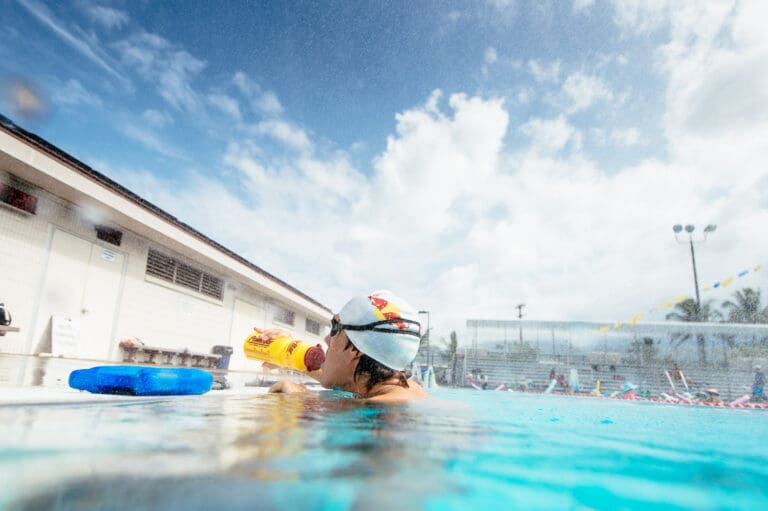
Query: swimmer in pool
point(372, 340)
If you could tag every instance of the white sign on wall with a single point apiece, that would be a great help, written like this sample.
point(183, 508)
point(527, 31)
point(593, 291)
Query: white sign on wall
point(65, 335)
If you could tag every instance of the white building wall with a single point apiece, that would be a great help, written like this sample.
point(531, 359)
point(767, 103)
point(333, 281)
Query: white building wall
point(157, 312)
point(23, 253)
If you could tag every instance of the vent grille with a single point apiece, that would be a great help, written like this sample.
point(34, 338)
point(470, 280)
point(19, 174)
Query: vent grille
point(212, 286)
point(312, 326)
point(169, 269)
point(161, 266)
point(284, 315)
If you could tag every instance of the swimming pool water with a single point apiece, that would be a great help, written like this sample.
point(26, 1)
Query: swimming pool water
point(462, 449)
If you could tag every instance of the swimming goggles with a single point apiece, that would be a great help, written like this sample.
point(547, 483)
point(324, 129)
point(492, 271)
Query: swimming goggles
point(337, 326)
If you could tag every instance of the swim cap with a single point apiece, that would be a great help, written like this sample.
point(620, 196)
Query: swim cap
point(712, 390)
point(384, 327)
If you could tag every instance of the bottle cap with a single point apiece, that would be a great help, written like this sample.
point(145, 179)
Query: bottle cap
point(314, 358)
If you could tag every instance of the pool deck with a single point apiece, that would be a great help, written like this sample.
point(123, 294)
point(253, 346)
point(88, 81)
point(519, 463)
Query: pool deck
point(24, 396)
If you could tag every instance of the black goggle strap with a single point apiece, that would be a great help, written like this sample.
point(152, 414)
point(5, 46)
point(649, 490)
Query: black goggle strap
point(375, 326)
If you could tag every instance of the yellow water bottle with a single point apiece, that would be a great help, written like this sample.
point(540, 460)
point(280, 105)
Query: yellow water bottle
point(284, 352)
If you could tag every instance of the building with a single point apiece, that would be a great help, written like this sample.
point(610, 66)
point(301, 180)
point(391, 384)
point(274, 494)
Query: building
point(86, 263)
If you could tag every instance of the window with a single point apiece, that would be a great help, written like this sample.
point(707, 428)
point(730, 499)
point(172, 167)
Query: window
point(284, 315)
point(312, 326)
point(169, 269)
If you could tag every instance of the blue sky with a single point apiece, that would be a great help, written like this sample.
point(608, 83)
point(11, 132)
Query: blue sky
point(468, 155)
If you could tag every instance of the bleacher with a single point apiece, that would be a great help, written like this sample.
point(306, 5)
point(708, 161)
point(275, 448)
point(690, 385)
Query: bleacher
point(512, 369)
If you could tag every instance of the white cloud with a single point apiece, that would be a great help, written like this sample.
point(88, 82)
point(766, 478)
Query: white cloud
point(152, 141)
point(453, 16)
point(464, 226)
point(490, 55)
point(284, 132)
point(582, 5)
point(268, 103)
point(73, 93)
point(582, 91)
point(715, 90)
point(108, 17)
point(156, 118)
point(626, 137)
point(544, 73)
point(225, 104)
point(506, 8)
point(549, 136)
point(171, 70)
point(262, 102)
point(641, 16)
point(245, 84)
point(598, 136)
point(90, 49)
point(524, 95)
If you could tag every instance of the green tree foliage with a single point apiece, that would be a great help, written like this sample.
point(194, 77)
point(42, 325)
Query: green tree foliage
point(451, 345)
point(688, 310)
point(643, 351)
point(746, 307)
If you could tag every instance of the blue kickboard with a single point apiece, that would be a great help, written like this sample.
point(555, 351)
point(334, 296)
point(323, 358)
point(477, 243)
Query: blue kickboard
point(141, 381)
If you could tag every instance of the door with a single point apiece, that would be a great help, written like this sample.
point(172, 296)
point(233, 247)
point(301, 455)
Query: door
point(81, 289)
point(246, 316)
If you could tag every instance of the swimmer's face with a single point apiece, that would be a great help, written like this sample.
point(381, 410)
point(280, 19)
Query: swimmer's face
point(339, 366)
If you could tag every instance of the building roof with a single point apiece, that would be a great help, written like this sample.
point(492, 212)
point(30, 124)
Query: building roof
point(51, 150)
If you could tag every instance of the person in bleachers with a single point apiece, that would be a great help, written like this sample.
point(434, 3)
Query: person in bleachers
point(758, 385)
point(712, 396)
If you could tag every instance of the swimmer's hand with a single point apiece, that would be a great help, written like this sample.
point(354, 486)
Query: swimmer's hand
point(272, 334)
point(275, 333)
point(286, 387)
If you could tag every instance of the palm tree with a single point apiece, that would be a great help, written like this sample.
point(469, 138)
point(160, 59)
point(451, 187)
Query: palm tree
point(746, 308)
point(424, 341)
point(688, 310)
point(643, 351)
point(451, 346)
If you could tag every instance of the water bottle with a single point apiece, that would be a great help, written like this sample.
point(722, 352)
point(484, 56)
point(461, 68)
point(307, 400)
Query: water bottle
point(141, 381)
point(284, 352)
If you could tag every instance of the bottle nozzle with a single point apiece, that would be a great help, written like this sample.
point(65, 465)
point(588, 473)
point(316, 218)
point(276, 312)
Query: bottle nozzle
point(314, 358)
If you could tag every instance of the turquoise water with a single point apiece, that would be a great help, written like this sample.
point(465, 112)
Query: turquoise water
point(462, 449)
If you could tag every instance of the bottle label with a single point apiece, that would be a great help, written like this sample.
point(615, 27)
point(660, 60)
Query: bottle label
point(257, 340)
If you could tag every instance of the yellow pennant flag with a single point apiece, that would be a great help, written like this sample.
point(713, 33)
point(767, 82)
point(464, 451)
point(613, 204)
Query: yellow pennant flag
point(758, 267)
point(726, 282)
point(708, 288)
point(617, 325)
point(636, 317)
point(680, 298)
point(605, 328)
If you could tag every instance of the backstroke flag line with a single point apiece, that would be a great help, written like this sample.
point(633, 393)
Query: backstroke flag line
point(666, 305)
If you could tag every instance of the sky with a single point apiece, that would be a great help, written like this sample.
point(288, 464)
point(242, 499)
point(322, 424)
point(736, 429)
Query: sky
point(469, 156)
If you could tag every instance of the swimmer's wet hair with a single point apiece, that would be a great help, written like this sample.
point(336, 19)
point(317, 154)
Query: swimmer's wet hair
point(376, 371)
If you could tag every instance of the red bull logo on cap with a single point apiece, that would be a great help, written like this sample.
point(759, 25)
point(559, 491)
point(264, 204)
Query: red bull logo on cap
point(385, 310)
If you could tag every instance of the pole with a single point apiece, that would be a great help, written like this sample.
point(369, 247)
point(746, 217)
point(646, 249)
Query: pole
point(429, 343)
point(695, 280)
point(520, 319)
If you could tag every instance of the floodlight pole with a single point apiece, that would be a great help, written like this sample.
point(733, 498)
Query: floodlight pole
point(689, 229)
point(520, 314)
point(695, 278)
